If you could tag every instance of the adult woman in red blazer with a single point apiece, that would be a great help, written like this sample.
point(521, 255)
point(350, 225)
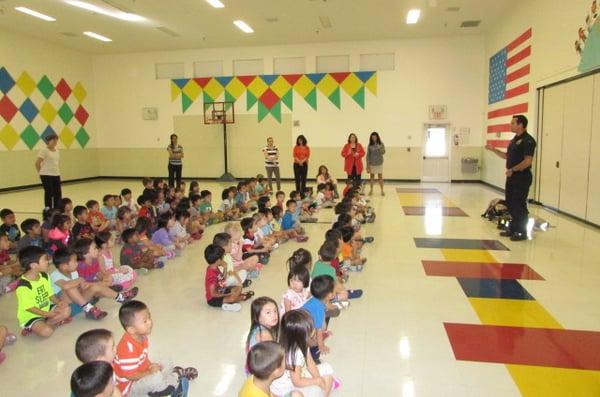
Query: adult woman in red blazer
point(353, 152)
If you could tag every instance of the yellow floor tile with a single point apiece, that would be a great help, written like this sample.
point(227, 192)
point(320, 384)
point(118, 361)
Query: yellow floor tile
point(460, 255)
point(513, 312)
point(424, 200)
point(548, 381)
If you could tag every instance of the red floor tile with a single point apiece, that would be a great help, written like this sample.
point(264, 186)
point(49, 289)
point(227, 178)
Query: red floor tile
point(543, 347)
point(499, 271)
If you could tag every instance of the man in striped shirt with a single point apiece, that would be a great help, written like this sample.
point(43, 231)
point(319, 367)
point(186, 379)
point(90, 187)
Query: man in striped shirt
point(271, 154)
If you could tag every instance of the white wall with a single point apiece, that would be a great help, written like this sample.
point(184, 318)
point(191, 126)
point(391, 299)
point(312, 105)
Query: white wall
point(446, 71)
point(554, 24)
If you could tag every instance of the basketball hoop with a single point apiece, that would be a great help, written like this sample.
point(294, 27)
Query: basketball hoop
point(221, 113)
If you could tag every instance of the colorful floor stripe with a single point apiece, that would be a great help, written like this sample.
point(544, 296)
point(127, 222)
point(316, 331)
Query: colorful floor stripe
point(427, 202)
point(542, 357)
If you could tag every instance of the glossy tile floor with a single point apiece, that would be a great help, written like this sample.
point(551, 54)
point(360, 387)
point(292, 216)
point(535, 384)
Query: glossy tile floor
point(401, 338)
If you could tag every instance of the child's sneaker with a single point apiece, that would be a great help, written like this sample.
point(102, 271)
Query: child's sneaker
point(231, 307)
point(10, 339)
point(159, 264)
point(356, 268)
point(369, 239)
point(302, 239)
point(275, 246)
point(126, 296)
point(95, 314)
point(336, 384)
point(355, 293)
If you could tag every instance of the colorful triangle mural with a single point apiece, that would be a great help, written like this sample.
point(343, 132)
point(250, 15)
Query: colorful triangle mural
point(271, 91)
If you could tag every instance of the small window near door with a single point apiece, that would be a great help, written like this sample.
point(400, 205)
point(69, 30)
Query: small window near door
point(435, 145)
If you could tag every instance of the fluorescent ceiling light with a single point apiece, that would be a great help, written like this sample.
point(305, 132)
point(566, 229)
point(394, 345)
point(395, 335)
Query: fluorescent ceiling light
point(124, 16)
point(243, 26)
point(413, 16)
point(36, 14)
point(97, 36)
point(215, 3)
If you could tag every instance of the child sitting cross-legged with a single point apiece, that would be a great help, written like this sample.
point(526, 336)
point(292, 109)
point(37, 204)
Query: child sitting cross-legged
point(350, 252)
point(250, 263)
point(178, 231)
point(80, 294)
point(9, 267)
point(60, 234)
point(266, 239)
point(233, 276)
point(321, 289)
point(136, 375)
point(209, 216)
point(216, 293)
point(301, 374)
point(125, 220)
point(289, 223)
point(251, 245)
point(123, 276)
point(298, 293)
point(10, 228)
point(88, 266)
point(39, 310)
point(228, 208)
point(161, 235)
point(266, 363)
point(266, 226)
point(144, 227)
point(264, 321)
point(82, 228)
point(135, 255)
point(33, 234)
point(109, 210)
point(96, 217)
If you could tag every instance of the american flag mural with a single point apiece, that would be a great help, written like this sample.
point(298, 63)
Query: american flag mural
point(508, 88)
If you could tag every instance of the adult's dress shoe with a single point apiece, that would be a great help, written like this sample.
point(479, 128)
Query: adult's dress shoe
point(518, 237)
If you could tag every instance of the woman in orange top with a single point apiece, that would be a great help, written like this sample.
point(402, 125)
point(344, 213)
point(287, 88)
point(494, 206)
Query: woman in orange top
point(353, 152)
point(301, 156)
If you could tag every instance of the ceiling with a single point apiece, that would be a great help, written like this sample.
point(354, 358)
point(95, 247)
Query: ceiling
point(198, 25)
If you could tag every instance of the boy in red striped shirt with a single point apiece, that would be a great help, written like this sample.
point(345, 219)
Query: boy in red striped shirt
point(136, 375)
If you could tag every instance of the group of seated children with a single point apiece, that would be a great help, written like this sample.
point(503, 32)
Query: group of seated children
point(128, 364)
point(286, 339)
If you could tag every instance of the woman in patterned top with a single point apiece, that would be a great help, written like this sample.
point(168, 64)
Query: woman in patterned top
point(175, 165)
point(271, 154)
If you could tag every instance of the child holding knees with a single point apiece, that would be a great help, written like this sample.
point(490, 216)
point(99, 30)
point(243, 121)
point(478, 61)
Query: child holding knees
point(216, 293)
point(264, 321)
point(143, 227)
point(33, 234)
point(228, 207)
point(60, 234)
point(251, 263)
point(39, 311)
point(82, 228)
point(301, 373)
point(9, 268)
point(298, 293)
point(233, 277)
point(135, 255)
point(161, 235)
point(109, 210)
point(136, 375)
point(123, 276)
point(96, 217)
point(265, 363)
point(178, 232)
point(81, 295)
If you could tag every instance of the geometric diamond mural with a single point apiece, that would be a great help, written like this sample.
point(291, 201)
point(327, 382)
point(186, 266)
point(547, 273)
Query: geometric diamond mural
point(29, 106)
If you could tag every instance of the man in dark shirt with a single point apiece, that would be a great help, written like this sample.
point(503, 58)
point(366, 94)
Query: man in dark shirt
point(519, 158)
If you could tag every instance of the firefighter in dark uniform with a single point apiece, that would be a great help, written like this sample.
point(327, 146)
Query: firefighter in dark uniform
point(519, 158)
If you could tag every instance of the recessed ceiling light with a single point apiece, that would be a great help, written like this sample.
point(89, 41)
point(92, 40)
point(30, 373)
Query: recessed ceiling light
point(413, 16)
point(243, 26)
point(124, 16)
point(36, 14)
point(97, 36)
point(216, 3)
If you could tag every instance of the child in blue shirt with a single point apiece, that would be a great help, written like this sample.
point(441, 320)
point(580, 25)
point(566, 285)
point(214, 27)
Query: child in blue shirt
point(321, 289)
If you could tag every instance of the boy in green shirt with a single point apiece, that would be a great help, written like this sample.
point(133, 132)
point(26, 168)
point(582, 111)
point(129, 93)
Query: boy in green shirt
point(327, 252)
point(206, 209)
point(39, 310)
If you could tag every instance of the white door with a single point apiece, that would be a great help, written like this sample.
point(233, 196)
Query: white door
point(436, 154)
point(551, 144)
point(593, 201)
point(575, 158)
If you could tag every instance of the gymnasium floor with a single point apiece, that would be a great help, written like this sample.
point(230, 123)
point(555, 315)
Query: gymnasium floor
point(400, 339)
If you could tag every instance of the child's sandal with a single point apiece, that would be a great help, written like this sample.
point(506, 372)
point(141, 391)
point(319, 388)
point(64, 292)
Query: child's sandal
point(190, 373)
point(10, 339)
point(247, 295)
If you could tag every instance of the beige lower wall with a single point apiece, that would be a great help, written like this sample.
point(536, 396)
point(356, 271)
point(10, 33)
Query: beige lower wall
point(457, 154)
point(18, 166)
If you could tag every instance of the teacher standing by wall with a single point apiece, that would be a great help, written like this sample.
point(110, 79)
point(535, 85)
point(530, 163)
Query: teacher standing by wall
point(47, 166)
point(301, 156)
point(271, 154)
point(353, 152)
point(175, 164)
point(375, 152)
